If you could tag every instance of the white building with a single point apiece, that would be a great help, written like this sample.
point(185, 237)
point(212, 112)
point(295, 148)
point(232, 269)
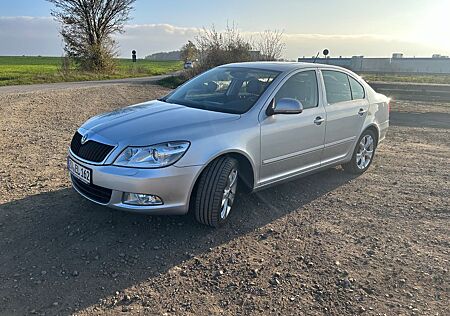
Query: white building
point(397, 64)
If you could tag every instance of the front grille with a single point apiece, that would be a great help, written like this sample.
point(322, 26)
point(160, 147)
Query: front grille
point(91, 150)
point(92, 191)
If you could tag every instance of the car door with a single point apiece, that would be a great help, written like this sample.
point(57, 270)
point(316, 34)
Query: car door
point(292, 143)
point(346, 106)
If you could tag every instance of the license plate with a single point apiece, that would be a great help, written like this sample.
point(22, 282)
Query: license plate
point(79, 171)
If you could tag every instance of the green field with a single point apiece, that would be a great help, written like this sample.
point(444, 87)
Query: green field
point(413, 78)
point(16, 70)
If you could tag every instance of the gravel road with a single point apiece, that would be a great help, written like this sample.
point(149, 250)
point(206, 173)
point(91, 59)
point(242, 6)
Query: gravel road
point(327, 244)
point(81, 84)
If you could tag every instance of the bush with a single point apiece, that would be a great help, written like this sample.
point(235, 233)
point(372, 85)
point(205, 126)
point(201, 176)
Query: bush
point(97, 58)
point(173, 82)
point(215, 48)
point(219, 48)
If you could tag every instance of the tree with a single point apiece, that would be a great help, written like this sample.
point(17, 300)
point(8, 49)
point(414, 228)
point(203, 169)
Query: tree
point(88, 27)
point(189, 52)
point(270, 45)
point(217, 48)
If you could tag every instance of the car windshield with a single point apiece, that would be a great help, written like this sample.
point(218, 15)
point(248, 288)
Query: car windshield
point(224, 89)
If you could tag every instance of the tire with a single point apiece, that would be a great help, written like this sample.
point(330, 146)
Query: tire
point(363, 153)
point(217, 182)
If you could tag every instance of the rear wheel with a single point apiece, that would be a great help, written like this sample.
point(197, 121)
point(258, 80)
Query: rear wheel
point(363, 154)
point(216, 191)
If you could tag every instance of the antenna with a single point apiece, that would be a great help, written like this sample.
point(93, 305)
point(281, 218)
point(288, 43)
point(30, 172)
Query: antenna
point(325, 53)
point(316, 57)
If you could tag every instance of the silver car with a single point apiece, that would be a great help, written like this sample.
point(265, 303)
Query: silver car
point(243, 126)
point(188, 65)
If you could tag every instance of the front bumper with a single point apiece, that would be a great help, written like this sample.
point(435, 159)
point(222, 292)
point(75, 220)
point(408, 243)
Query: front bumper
point(173, 184)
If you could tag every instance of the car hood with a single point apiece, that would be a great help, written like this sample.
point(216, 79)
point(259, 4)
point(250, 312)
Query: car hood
point(152, 122)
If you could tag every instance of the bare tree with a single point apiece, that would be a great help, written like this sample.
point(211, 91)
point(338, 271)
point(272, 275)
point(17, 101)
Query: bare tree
point(217, 48)
point(88, 27)
point(270, 44)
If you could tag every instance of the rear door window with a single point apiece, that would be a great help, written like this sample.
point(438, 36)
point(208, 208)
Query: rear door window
point(337, 86)
point(357, 89)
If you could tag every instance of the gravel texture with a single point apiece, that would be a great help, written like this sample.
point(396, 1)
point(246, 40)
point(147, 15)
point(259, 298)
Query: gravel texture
point(327, 244)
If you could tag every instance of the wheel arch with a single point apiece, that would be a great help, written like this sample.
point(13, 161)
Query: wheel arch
point(245, 162)
point(246, 175)
point(374, 128)
point(246, 170)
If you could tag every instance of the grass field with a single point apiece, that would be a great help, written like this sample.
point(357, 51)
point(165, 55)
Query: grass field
point(413, 78)
point(16, 70)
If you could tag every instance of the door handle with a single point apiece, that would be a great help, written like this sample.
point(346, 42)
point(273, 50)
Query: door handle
point(319, 120)
point(362, 112)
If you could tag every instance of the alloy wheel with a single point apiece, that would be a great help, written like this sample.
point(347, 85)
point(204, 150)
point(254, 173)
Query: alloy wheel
point(229, 193)
point(365, 152)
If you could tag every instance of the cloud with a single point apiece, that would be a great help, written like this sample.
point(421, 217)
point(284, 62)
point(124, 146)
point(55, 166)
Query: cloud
point(22, 35)
point(150, 38)
point(349, 45)
point(39, 36)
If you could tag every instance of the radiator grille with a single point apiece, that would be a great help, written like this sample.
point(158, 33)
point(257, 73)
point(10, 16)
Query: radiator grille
point(91, 150)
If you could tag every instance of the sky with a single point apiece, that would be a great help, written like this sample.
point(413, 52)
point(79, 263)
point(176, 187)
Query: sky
point(345, 27)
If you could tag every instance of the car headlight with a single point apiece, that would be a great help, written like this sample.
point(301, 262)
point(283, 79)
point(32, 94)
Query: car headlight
point(155, 156)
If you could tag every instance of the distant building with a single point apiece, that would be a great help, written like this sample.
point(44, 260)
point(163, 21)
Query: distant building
point(437, 64)
point(438, 56)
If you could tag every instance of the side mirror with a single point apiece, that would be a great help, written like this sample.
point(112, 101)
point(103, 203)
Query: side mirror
point(284, 106)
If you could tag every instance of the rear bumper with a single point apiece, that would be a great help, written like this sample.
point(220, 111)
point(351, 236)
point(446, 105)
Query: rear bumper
point(383, 130)
point(172, 184)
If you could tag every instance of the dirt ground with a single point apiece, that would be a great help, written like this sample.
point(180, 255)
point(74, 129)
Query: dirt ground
point(327, 244)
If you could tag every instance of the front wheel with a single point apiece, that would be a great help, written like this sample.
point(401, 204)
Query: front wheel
point(216, 191)
point(363, 154)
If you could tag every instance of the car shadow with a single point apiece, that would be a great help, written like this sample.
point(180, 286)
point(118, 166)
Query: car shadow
point(61, 253)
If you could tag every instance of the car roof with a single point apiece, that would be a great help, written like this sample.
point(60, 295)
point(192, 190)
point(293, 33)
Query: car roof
point(281, 66)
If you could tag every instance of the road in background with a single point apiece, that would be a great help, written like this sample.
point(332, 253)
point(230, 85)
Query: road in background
point(80, 84)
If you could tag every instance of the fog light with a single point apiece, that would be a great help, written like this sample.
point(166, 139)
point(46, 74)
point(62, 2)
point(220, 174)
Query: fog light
point(141, 199)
